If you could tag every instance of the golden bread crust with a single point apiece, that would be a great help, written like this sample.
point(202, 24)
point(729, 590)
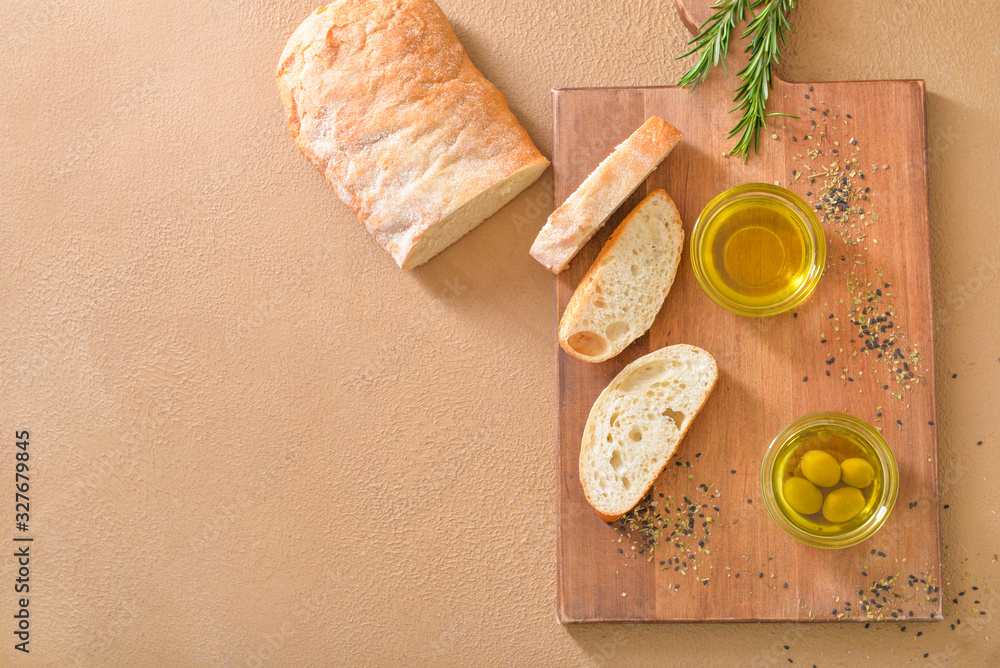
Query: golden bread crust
point(381, 97)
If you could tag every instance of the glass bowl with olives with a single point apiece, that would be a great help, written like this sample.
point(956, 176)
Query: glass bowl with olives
point(829, 480)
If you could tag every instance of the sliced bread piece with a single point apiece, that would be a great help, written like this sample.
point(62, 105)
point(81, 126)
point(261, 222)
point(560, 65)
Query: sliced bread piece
point(624, 289)
point(637, 423)
point(570, 226)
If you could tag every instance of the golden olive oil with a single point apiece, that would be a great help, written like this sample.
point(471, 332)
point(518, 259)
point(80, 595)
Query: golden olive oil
point(756, 252)
point(843, 445)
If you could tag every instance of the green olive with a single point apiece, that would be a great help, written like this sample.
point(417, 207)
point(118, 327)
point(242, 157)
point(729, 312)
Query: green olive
point(803, 496)
point(820, 468)
point(843, 504)
point(856, 472)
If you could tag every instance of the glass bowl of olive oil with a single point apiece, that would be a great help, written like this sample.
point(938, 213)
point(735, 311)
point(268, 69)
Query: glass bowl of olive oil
point(758, 249)
point(829, 480)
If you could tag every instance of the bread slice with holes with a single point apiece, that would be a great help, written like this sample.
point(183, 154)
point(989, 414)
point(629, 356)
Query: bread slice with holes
point(618, 299)
point(637, 423)
point(571, 226)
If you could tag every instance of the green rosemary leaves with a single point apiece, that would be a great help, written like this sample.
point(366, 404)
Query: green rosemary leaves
point(766, 31)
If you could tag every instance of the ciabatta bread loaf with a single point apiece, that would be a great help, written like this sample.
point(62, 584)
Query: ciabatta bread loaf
point(572, 225)
point(618, 299)
point(637, 423)
point(383, 100)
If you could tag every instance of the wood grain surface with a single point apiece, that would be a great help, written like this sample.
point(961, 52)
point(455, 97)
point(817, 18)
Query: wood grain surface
point(772, 370)
point(694, 13)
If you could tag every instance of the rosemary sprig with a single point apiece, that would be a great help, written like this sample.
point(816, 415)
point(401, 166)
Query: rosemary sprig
point(712, 41)
point(766, 30)
point(767, 34)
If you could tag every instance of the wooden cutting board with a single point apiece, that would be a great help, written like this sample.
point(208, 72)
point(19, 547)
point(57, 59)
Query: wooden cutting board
point(736, 564)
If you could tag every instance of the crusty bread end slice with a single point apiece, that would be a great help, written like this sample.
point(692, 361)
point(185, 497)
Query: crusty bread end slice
point(637, 423)
point(571, 226)
point(618, 299)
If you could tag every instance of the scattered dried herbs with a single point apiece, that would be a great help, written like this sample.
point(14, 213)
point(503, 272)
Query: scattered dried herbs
point(868, 326)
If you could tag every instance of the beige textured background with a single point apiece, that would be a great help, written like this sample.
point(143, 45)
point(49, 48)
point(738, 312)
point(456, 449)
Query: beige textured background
point(255, 441)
